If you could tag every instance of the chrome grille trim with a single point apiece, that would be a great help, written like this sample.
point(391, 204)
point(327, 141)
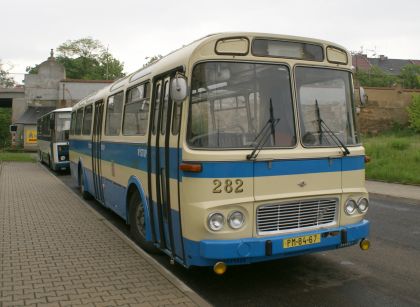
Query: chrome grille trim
point(296, 215)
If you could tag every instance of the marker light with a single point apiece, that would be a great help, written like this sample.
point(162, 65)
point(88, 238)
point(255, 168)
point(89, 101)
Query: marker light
point(236, 220)
point(215, 221)
point(220, 268)
point(191, 167)
point(350, 207)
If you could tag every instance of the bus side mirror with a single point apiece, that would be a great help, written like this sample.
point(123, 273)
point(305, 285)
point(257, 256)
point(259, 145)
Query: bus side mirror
point(179, 88)
point(363, 96)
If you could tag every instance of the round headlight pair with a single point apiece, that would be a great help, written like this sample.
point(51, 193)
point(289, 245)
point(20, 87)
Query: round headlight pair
point(361, 206)
point(216, 220)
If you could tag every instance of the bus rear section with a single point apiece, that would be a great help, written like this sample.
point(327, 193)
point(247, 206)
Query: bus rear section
point(53, 134)
point(277, 176)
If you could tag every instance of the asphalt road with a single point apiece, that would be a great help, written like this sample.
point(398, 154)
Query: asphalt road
point(386, 275)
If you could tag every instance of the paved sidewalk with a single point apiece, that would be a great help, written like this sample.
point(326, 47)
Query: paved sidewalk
point(56, 252)
point(410, 193)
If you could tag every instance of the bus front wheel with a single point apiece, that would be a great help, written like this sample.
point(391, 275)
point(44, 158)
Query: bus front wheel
point(138, 224)
point(85, 194)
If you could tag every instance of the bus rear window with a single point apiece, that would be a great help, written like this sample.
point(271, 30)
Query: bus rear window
point(286, 49)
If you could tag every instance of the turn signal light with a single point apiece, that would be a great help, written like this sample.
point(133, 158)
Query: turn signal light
point(367, 159)
point(191, 167)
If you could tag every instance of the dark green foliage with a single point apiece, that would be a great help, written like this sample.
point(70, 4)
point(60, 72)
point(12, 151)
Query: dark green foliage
point(375, 77)
point(414, 113)
point(5, 121)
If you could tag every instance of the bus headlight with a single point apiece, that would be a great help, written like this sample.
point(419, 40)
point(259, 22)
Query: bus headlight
point(62, 158)
point(215, 221)
point(363, 205)
point(236, 219)
point(350, 206)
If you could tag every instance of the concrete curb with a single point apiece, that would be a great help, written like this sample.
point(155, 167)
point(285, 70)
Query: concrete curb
point(394, 198)
point(162, 270)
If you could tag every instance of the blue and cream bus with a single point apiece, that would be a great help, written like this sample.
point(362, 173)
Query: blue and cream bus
point(53, 139)
point(235, 149)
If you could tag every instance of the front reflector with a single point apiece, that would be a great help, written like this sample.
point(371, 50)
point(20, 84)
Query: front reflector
point(365, 244)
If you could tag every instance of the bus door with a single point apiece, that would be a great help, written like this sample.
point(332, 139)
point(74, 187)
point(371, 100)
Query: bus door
point(96, 151)
point(163, 173)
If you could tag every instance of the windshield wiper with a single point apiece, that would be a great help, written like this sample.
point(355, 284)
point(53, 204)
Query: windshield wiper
point(323, 126)
point(263, 136)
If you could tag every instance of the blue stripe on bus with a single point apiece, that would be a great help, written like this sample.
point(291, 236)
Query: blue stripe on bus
point(130, 155)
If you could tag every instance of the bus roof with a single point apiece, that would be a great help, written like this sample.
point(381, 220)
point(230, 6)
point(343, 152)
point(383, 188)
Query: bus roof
point(62, 110)
point(181, 57)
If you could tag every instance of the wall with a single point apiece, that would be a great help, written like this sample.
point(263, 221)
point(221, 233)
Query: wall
point(72, 91)
point(385, 107)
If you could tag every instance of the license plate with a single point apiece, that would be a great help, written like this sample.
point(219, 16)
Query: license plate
point(301, 241)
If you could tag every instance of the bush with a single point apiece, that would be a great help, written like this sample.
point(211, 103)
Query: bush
point(414, 113)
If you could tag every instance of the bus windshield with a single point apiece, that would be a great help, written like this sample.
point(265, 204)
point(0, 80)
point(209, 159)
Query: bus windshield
point(230, 105)
point(62, 126)
point(324, 97)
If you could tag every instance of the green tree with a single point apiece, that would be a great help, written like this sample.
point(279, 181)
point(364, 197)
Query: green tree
point(410, 76)
point(5, 79)
point(414, 113)
point(5, 120)
point(375, 77)
point(87, 59)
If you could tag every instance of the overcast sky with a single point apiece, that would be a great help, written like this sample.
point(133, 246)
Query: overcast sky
point(135, 29)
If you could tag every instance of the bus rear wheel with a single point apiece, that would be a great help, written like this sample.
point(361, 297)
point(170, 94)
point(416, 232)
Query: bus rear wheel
point(138, 224)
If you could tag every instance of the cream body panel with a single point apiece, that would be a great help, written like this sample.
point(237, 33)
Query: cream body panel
point(284, 187)
point(198, 201)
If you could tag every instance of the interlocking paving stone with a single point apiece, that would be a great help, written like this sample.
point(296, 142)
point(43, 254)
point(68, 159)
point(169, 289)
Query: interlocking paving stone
point(56, 252)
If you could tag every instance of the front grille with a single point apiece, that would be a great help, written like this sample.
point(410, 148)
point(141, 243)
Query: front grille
point(295, 215)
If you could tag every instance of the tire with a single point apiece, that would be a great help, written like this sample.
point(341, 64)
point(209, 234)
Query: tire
point(138, 224)
point(85, 194)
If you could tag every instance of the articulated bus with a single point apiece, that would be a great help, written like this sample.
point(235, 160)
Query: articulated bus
point(53, 139)
point(235, 149)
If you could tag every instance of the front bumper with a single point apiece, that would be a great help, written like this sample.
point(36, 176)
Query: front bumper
point(250, 250)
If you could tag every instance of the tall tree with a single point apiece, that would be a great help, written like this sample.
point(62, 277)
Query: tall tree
point(87, 59)
point(5, 79)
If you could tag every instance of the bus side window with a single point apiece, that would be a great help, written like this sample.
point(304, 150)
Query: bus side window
point(73, 122)
point(87, 120)
point(79, 120)
point(136, 110)
point(113, 114)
